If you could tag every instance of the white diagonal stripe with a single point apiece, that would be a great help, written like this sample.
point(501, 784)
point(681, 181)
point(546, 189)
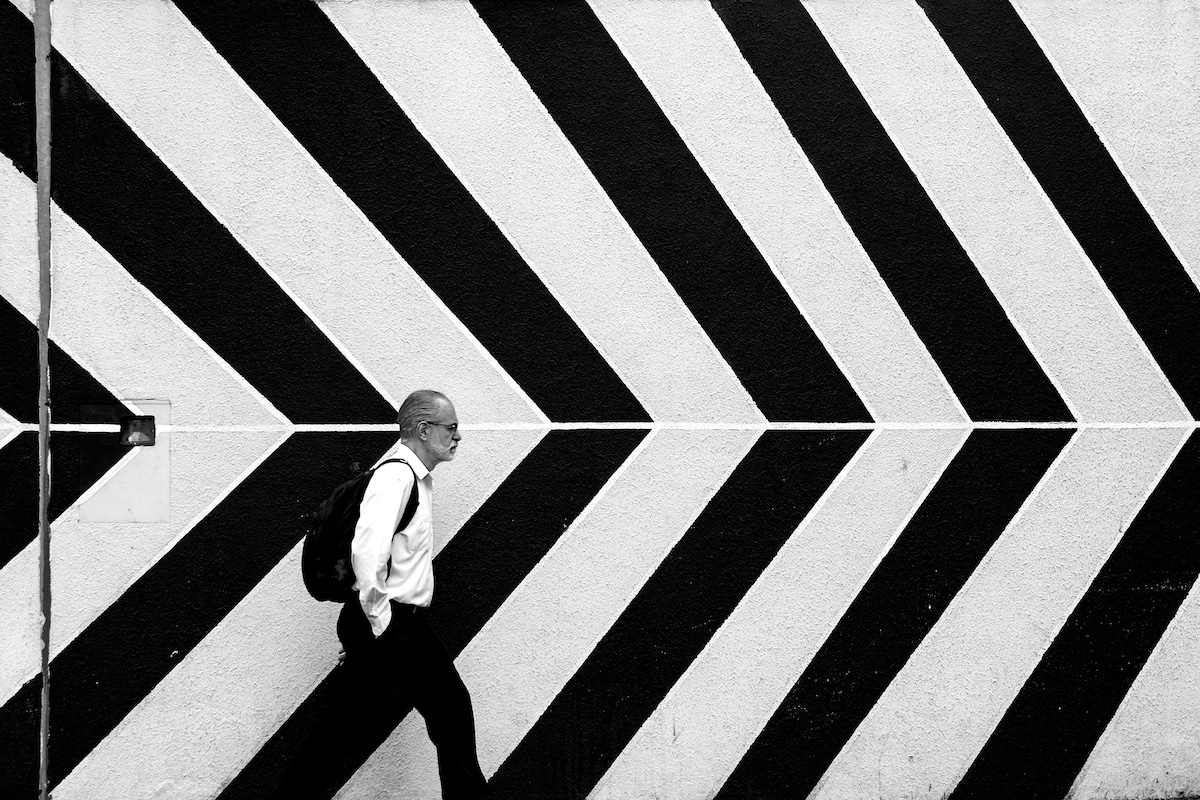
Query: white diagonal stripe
point(204, 720)
point(19, 272)
point(188, 106)
point(142, 351)
point(261, 661)
point(460, 89)
point(1133, 70)
point(532, 646)
point(687, 60)
point(487, 458)
point(938, 712)
point(166, 361)
point(999, 213)
point(696, 736)
point(18, 233)
point(1151, 747)
point(204, 469)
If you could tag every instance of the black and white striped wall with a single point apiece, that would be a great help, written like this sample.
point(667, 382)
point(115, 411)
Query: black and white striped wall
point(827, 372)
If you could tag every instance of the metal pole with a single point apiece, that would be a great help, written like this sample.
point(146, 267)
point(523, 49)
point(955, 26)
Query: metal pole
point(41, 52)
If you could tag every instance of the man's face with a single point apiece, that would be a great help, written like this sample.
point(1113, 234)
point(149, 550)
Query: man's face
point(443, 433)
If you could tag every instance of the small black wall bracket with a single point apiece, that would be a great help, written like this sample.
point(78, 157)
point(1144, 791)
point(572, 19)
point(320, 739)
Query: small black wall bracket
point(137, 431)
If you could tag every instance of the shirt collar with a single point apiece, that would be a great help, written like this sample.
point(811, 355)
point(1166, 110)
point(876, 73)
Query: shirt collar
point(402, 451)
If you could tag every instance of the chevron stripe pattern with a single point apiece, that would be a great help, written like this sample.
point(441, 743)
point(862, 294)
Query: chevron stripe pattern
point(827, 370)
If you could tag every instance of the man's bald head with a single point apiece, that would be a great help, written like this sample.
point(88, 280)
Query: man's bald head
point(423, 404)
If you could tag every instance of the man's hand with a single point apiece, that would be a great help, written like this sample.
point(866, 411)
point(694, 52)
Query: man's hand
point(341, 658)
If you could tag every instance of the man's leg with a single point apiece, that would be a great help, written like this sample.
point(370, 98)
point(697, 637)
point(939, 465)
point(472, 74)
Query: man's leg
point(444, 702)
point(331, 747)
point(318, 759)
point(407, 665)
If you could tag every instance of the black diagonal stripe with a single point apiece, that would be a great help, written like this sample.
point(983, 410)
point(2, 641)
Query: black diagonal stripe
point(1022, 89)
point(71, 385)
point(132, 205)
point(315, 83)
point(488, 557)
point(611, 119)
point(107, 670)
point(18, 118)
point(923, 264)
point(485, 561)
point(1047, 733)
point(20, 736)
point(667, 624)
point(941, 546)
point(19, 481)
point(18, 494)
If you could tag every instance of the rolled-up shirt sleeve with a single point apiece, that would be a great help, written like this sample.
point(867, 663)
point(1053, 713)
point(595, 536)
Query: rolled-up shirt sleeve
point(372, 545)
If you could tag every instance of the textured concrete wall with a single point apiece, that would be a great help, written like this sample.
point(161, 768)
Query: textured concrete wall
point(826, 373)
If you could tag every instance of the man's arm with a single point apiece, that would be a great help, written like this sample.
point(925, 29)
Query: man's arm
point(372, 546)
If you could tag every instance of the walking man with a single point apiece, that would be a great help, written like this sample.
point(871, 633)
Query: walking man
point(393, 657)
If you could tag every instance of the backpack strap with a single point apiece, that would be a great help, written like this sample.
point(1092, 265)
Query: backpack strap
point(410, 510)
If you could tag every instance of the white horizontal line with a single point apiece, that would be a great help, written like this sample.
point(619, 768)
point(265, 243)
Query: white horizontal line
point(688, 426)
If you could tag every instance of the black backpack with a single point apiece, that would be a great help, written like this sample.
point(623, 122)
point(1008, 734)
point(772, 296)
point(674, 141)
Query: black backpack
point(325, 559)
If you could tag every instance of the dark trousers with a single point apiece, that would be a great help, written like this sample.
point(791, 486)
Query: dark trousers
point(404, 668)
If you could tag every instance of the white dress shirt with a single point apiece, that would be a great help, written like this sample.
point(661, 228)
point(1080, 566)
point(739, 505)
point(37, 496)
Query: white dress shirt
point(410, 579)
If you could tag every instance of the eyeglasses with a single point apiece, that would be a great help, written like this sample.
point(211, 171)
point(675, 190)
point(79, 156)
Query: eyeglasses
point(452, 427)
